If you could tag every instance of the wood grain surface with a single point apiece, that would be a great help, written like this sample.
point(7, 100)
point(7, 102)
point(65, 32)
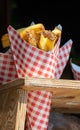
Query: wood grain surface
point(13, 110)
point(65, 93)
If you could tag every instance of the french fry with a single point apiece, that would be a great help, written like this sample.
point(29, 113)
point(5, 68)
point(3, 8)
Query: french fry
point(35, 27)
point(31, 34)
point(38, 36)
point(5, 38)
point(47, 41)
point(57, 32)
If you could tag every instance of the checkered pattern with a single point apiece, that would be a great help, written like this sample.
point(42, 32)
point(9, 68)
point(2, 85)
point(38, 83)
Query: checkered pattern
point(7, 68)
point(28, 124)
point(33, 62)
point(30, 61)
point(9, 51)
point(75, 70)
point(64, 53)
point(23, 60)
point(38, 108)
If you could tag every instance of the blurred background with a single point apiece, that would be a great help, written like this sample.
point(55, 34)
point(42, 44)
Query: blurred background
point(20, 13)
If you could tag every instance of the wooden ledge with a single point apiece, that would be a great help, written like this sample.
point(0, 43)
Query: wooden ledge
point(65, 93)
point(42, 84)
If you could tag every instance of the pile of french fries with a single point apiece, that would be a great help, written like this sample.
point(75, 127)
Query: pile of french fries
point(37, 36)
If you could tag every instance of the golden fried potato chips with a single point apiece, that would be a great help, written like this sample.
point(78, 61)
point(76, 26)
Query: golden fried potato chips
point(37, 36)
point(41, 38)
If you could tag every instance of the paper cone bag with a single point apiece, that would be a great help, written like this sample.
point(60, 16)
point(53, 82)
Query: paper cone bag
point(63, 57)
point(75, 70)
point(7, 68)
point(33, 62)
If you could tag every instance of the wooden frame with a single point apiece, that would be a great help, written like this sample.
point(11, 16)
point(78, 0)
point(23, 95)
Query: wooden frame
point(65, 99)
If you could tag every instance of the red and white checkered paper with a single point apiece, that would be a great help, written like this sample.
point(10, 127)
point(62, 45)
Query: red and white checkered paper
point(63, 57)
point(7, 68)
point(75, 70)
point(33, 62)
